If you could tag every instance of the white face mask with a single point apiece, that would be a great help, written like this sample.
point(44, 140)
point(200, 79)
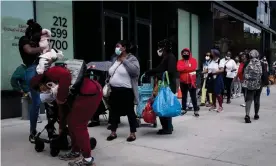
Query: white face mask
point(159, 52)
point(207, 58)
point(47, 97)
point(227, 57)
point(53, 87)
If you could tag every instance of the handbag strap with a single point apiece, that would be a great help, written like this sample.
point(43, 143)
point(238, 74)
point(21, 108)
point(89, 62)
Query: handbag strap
point(165, 74)
point(113, 72)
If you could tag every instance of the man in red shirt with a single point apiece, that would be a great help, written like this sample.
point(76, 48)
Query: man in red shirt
point(187, 70)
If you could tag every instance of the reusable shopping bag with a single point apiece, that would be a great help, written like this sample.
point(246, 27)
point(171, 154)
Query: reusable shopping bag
point(148, 114)
point(166, 103)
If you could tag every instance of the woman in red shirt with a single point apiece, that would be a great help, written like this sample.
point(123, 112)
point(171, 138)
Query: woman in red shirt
point(80, 111)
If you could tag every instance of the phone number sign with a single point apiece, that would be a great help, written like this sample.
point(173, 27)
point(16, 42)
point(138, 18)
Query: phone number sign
point(57, 17)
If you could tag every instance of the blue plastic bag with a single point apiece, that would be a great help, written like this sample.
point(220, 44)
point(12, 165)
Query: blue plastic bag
point(166, 103)
point(267, 91)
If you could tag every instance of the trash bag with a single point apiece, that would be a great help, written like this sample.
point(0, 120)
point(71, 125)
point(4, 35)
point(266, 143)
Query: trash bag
point(166, 103)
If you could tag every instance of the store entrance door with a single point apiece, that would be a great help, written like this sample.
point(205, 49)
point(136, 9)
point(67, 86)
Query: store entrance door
point(144, 43)
point(115, 29)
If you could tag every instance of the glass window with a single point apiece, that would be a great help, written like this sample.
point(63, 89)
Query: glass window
point(14, 16)
point(57, 17)
point(234, 35)
point(195, 36)
point(183, 31)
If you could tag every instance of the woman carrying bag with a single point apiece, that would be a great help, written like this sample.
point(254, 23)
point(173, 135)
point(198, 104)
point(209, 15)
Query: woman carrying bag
point(168, 63)
point(123, 84)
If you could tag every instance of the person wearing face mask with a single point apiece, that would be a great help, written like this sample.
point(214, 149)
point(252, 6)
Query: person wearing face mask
point(205, 75)
point(168, 63)
point(215, 78)
point(187, 69)
point(230, 68)
point(236, 84)
point(123, 80)
point(74, 111)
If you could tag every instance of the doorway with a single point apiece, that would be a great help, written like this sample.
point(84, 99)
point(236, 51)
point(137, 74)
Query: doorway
point(115, 29)
point(144, 44)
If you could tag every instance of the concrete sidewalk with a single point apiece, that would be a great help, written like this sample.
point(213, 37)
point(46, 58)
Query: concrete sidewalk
point(211, 140)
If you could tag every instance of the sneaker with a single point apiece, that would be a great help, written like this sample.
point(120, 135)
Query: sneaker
point(208, 105)
point(164, 132)
point(239, 95)
point(202, 104)
point(256, 117)
point(213, 108)
point(82, 162)
point(243, 105)
point(70, 156)
point(220, 109)
point(247, 119)
point(183, 112)
point(32, 137)
point(196, 114)
point(39, 119)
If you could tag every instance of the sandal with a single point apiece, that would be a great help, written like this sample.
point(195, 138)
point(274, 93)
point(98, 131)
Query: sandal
point(131, 138)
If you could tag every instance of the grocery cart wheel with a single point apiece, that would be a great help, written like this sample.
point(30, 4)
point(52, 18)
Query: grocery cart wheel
point(93, 143)
point(39, 145)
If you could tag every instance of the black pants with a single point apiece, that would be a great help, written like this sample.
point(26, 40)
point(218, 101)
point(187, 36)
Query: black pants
point(228, 83)
point(121, 102)
point(253, 95)
point(185, 88)
point(244, 93)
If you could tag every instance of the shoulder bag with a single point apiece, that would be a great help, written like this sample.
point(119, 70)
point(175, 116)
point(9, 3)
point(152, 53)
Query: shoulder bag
point(107, 88)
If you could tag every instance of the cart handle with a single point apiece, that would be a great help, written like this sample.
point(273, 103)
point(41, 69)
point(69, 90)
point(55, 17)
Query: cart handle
point(142, 77)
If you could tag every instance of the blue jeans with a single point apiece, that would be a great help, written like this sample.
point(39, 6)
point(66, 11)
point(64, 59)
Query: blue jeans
point(34, 111)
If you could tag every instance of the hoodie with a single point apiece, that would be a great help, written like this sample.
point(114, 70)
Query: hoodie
point(187, 69)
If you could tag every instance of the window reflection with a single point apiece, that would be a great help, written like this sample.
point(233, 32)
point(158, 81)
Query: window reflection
point(234, 35)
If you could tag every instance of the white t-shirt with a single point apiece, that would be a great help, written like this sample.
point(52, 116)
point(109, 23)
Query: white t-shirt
point(214, 66)
point(121, 77)
point(229, 66)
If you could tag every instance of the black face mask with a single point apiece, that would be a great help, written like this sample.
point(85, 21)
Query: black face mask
point(186, 57)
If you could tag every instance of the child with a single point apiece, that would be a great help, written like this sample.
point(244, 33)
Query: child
point(48, 54)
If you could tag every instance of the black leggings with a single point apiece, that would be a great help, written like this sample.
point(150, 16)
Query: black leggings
point(184, 89)
point(121, 102)
point(228, 83)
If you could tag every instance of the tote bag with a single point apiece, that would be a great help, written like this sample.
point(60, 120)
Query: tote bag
point(166, 103)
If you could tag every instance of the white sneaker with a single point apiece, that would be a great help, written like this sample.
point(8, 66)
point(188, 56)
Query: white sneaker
point(239, 95)
point(39, 120)
point(243, 105)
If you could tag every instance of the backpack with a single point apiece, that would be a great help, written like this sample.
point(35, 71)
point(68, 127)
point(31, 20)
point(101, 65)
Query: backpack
point(253, 74)
point(77, 69)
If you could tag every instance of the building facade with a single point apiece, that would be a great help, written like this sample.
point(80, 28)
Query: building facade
point(90, 30)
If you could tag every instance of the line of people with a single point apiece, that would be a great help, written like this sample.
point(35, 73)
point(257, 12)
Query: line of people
point(245, 73)
point(123, 85)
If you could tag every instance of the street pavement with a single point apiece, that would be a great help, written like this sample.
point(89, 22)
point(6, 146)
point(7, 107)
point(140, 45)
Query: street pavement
point(213, 139)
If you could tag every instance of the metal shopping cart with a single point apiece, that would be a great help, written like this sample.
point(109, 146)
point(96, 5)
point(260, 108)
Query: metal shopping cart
point(145, 93)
